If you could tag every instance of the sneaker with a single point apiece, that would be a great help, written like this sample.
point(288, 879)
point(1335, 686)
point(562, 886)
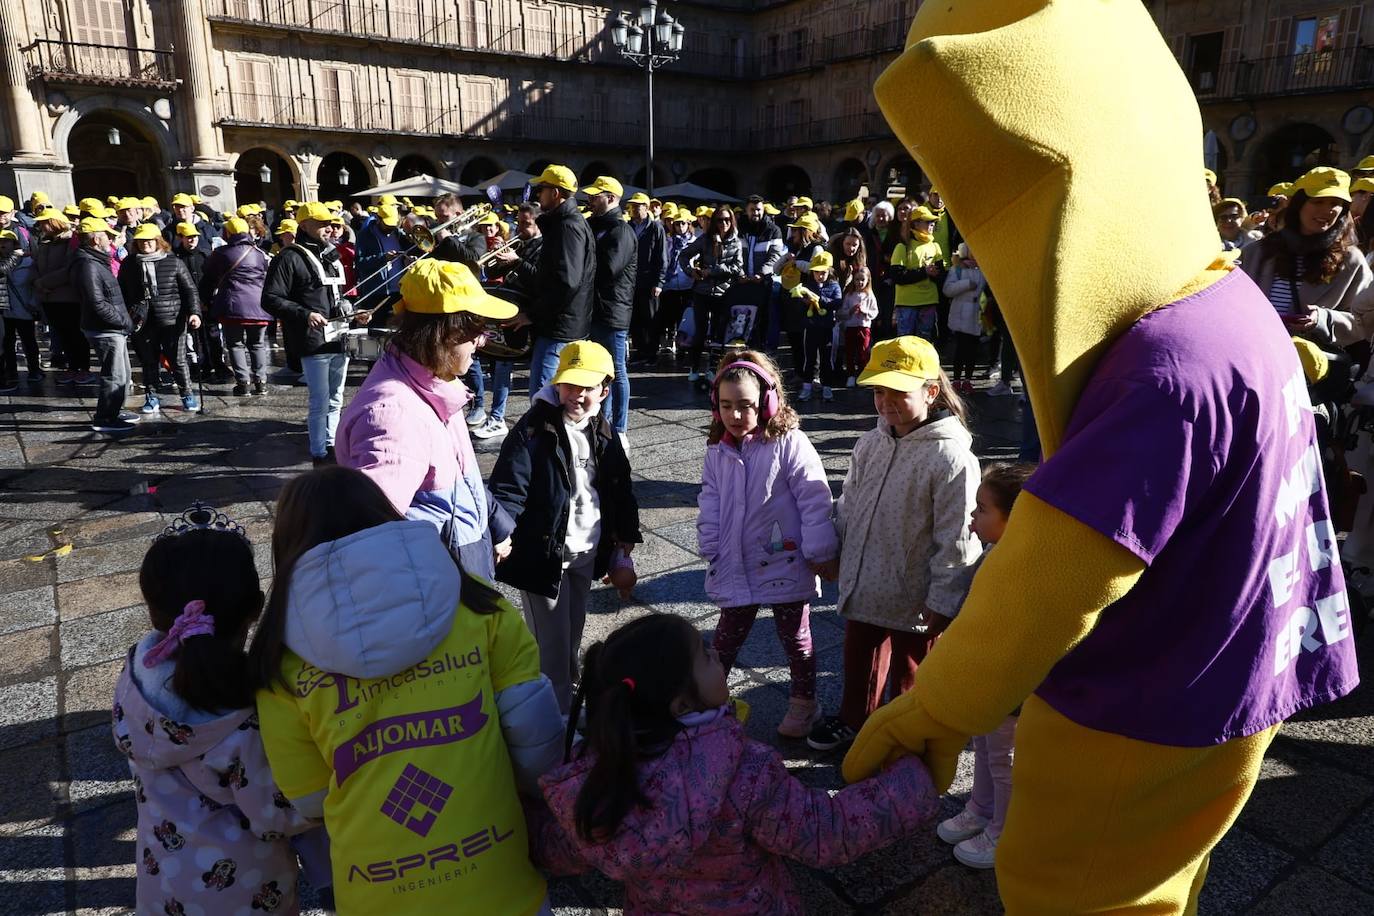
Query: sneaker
point(259, 389)
point(320, 461)
point(151, 405)
point(9, 386)
point(130, 417)
point(693, 375)
point(87, 378)
point(978, 851)
point(852, 382)
point(805, 394)
point(801, 716)
point(963, 825)
point(66, 378)
point(492, 428)
point(829, 733)
point(190, 403)
point(826, 393)
point(112, 427)
point(1000, 390)
point(241, 391)
point(476, 415)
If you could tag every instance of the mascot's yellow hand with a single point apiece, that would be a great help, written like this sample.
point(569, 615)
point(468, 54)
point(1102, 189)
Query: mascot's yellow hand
point(901, 728)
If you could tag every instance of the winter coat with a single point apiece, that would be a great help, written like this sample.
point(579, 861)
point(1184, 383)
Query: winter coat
point(764, 247)
point(294, 288)
point(102, 304)
point(564, 286)
point(721, 270)
point(793, 311)
point(212, 824)
point(533, 482)
point(651, 268)
point(617, 257)
point(405, 430)
point(394, 679)
point(158, 290)
point(830, 299)
point(764, 514)
point(859, 309)
point(903, 522)
point(964, 287)
point(17, 297)
point(1344, 304)
point(678, 277)
point(375, 243)
point(194, 259)
point(723, 815)
point(203, 241)
point(233, 280)
point(52, 264)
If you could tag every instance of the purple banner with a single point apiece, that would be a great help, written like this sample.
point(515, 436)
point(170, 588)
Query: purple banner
point(400, 733)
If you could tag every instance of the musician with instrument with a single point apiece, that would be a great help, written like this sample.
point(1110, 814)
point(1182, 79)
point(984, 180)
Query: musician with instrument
point(303, 289)
point(513, 266)
point(381, 256)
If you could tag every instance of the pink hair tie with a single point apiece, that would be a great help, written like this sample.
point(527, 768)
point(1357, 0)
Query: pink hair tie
point(192, 621)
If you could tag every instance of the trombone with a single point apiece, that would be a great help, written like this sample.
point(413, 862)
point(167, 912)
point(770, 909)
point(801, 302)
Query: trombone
point(512, 245)
point(422, 238)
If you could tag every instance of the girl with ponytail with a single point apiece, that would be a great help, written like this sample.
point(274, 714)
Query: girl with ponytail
point(668, 795)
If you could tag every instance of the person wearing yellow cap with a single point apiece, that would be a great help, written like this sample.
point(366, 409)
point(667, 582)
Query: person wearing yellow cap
point(1360, 190)
point(818, 297)
point(564, 285)
point(304, 290)
point(9, 221)
point(19, 313)
point(1231, 215)
point(1137, 563)
point(53, 253)
point(106, 322)
point(616, 282)
point(184, 211)
point(381, 255)
point(569, 524)
point(285, 234)
point(678, 224)
point(1312, 269)
point(916, 268)
point(162, 296)
point(651, 272)
point(129, 213)
point(231, 286)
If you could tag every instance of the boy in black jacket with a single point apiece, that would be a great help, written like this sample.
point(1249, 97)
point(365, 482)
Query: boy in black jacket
point(564, 478)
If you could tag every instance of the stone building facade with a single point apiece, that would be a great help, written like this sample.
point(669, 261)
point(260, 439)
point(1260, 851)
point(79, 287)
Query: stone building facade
point(274, 99)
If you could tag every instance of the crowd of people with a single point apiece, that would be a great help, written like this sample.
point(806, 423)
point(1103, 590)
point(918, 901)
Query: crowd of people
point(382, 653)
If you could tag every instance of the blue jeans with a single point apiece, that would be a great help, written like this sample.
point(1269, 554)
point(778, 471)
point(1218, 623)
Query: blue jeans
point(325, 374)
point(920, 320)
point(617, 344)
point(544, 362)
point(475, 381)
point(500, 388)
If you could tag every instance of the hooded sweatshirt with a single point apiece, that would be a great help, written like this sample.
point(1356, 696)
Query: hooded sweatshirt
point(212, 824)
point(414, 717)
point(723, 812)
point(903, 523)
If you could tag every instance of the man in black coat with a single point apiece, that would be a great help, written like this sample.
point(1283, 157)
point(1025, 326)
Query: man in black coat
point(650, 275)
point(106, 323)
point(764, 249)
point(564, 285)
point(617, 264)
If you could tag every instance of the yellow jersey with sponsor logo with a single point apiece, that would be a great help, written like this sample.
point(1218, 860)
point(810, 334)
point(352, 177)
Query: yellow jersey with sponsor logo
point(421, 808)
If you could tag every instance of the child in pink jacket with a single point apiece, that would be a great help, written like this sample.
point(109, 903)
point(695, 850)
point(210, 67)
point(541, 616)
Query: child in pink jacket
point(669, 796)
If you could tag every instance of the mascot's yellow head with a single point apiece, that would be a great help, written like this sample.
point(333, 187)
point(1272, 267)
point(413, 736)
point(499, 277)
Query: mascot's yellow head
point(1066, 142)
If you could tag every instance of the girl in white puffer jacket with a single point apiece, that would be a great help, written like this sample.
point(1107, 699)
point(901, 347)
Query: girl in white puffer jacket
point(964, 286)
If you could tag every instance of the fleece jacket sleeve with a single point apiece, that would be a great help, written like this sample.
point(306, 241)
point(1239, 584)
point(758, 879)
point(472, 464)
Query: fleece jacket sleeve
point(1034, 598)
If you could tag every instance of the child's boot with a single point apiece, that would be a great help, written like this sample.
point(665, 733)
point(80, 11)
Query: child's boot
point(801, 715)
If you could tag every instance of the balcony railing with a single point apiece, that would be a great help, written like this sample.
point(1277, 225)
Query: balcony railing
point(108, 65)
point(1332, 70)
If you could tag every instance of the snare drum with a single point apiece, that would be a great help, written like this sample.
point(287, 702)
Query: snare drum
point(366, 344)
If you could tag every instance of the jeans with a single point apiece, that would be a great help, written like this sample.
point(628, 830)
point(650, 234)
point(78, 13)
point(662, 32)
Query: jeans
point(544, 362)
point(325, 374)
point(23, 330)
point(112, 355)
point(617, 344)
point(153, 343)
point(919, 320)
point(476, 381)
point(500, 388)
point(247, 343)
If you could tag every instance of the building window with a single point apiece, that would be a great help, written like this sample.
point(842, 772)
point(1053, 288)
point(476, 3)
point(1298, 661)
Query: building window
point(253, 93)
point(410, 109)
point(336, 108)
point(1316, 34)
point(1204, 61)
point(799, 46)
point(479, 114)
point(774, 52)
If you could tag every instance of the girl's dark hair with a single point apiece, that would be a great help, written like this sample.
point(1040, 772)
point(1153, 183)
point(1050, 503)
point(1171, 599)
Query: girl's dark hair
point(1004, 481)
point(1316, 270)
point(783, 421)
point(433, 340)
point(629, 683)
point(846, 265)
point(216, 567)
point(319, 506)
point(948, 399)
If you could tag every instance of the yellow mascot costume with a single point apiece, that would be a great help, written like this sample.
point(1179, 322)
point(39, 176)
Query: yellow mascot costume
point(1166, 592)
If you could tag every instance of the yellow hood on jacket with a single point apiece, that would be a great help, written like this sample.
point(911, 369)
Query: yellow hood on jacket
point(1063, 136)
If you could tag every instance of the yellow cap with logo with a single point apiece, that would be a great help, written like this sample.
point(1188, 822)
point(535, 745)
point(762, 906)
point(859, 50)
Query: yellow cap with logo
point(186, 230)
point(604, 184)
point(902, 364)
point(434, 287)
point(808, 221)
point(1362, 184)
point(585, 364)
point(556, 176)
point(822, 260)
point(639, 197)
point(147, 232)
point(313, 209)
point(287, 225)
point(93, 224)
point(182, 200)
point(236, 225)
point(1324, 181)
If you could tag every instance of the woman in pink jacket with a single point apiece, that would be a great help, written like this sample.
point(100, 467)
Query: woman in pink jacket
point(669, 796)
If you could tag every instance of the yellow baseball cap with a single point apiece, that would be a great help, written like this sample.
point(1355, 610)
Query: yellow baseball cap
point(287, 225)
point(853, 210)
point(490, 219)
point(313, 209)
point(93, 224)
point(182, 200)
point(809, 221)
point(101, 211)
point(187, 229)
point(1315, 364)
point(149, 203)
point(6, 204)
point(1366, 164)
point(389, 215)
point(770, 209)
point(71, 211)
point(604, 184)
point(805, 202)
point(923, 214)
point(639, 197)
point(236, 225)
point(822, 260)
point(334, 204)
point(292, 204)
point(48, 212)
point(902, 364)
point(146, 231)
point(434, 287)
point(90, 203)
point(6, 234)
point(557, 176)
point(585, 364)
point(112, 200)
point(195, 198)
point(668, 213)
point(1282, 189)
point(38, 197)
point(128, 203)
point(1362, 184)
point(1324, 181)
point(387, 200)
point(1210, 175)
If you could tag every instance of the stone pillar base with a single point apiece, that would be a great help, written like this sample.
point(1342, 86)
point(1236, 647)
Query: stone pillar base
point(213, 182)
point(19, 178)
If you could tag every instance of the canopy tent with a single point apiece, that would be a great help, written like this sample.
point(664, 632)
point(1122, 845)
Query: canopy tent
point(509, 180)
point(418, 186)
point(690, 191)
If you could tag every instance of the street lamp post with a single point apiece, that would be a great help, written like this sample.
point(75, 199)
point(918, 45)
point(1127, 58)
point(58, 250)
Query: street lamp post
point(650, 42)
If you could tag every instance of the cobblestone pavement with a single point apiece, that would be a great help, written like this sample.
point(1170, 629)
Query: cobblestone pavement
point(1303, 844)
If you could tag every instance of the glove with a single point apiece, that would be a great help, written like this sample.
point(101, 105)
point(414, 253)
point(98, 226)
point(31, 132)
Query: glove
point(900, 728)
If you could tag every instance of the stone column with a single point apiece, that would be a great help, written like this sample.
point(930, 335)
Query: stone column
point(193, 66)
point(25, 135)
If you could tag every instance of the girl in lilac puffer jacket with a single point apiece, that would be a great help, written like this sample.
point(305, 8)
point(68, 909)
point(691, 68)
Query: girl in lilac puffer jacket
point(669, 796)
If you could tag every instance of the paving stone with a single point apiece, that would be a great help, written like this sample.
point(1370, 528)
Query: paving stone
point(1242, 866)
point(89, 690)
point(28, 607)
point(98, 772)
point(115, 557)
point(1299, 802)
point(29, 712)
point(102, 637)
point(27, 654)
point(1350, 853)
point(1311, 891)
point(98, 594)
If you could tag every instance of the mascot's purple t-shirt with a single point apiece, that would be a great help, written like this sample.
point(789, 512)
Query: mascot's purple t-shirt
point(1193, 446)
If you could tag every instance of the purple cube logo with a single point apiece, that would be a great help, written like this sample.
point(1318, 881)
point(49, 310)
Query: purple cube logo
point(416, 800)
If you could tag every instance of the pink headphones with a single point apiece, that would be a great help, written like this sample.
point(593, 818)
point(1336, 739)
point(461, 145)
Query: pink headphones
point(768, 408)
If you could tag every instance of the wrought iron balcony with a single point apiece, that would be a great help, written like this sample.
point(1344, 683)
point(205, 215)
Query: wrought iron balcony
point(1332, 70)
point(101, 65)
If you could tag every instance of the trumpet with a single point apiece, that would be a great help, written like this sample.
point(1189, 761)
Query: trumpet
point(422, 239)
point(512, 245)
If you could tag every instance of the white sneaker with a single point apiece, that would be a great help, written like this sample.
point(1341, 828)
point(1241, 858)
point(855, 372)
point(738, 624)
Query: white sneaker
point(805, 394)
point(978, 851)
point(963, 825)
point(1000, 390)
point(693, 375)
point(826, 393)
point(852, 383)
point(477, 414)
point(492, 428)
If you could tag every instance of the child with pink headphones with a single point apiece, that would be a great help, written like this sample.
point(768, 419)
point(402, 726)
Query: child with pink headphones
point(765, 526)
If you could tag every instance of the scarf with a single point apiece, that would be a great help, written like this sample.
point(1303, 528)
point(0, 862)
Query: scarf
point(1299, 244)
point(149, 264)
point(925, 238)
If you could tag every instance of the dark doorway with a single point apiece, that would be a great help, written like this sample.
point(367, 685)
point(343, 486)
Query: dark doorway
point(478, 169)
point(342, 175)
point(786, 181)
point(249, 185)
point(113, 154)
point(1292, 150)
point(412, 165)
